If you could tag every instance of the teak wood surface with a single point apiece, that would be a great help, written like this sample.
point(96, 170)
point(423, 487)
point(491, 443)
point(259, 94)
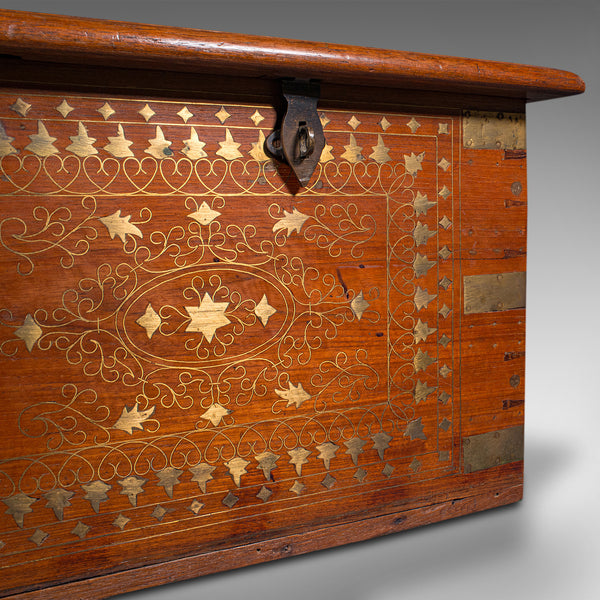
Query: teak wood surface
point(206, 366)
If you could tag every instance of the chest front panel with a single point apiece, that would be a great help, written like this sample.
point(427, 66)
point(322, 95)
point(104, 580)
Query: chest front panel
point(197, 353)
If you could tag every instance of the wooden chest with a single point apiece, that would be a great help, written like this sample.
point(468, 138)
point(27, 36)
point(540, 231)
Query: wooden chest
point(212, 358)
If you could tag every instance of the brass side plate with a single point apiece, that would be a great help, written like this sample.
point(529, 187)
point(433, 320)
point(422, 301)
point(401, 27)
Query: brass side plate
point(494, 292)
point(499, 131)
point(491, 449)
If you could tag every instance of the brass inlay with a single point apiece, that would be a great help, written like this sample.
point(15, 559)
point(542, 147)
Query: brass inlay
point(106, 110)
point(30, 332)
point(159, 146)
point(294, 395)
point(384, 124)
point(494, 292)
point(230, 500)
point(82, 144)
point(353, 151)
point(118, 145)
point(133, 418)
point(413, 163)
point(291, 221)
point(208, 317)
point(423, 298)
point(354, 448)
point(194, 147)
point(202, 474)
point(229, 148)
point(413, 125)
point(95, 493)
point(422, 390)
point(80, 530)
point(359, 305)
point(39, 537)
point(168, 478)
point(267, 461)
point(122, 521)
point(222, 115)
point(381, 442)
point(120, 226)
point(492, 449)
point(422, 204)
point(299, 457)
point(6, 148)
point(444, 192)
point(58, 500)
point(327, 452)
point(205, 215)
point(21, 107)
point(147, 113)
point(414, 430)
point(488, 130)
point(354, 122)
point(329, 481)
point(264, 494)
point(18, 506)
point(297, 488)
point(185, 114)
point(264, 311)
point(196, 506)
point(42, 143)
point(380, 152)
point(150, 321)
point(237, 468)
point(422, 331)
point(64, 108)
point(215, 414)
point(257, 118)
point(258, 149)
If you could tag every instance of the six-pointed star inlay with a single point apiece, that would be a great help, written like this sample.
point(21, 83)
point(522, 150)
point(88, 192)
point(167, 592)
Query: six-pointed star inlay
point(207, 317)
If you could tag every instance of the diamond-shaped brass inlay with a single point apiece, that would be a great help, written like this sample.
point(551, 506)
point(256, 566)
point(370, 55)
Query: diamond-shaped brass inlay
point(80, 530)
point(147, 113)
point(444, 164)
point(21, 107)
point(445, 252)
point(445, 311)
point(445, 424)
point(39, 537)
point(444, 340)
point(360, 475)
point(64, 108)
point(222, 115)
point(230, 500)
point(297, 488)
point(415, 465)
point(444, 192)
point(257, 118)
point(413, 125)
point(159, 512)
point(329, 481)
point(445, 222)
point(388, 470)
point(264, 494)
point(444, 397)
point(196, 506)
point(121, 521)
point(106, 110)
point(354, 122)
point(445, 282)
point(384, 124)
point(442, 128)
point(185, 114)
point(445, 371)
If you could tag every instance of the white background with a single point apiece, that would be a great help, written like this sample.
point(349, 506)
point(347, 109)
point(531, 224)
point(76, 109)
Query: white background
point(547, 546)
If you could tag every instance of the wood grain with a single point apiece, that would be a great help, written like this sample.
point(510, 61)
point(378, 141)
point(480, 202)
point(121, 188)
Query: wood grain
point(175, 301)
point(116, 44)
